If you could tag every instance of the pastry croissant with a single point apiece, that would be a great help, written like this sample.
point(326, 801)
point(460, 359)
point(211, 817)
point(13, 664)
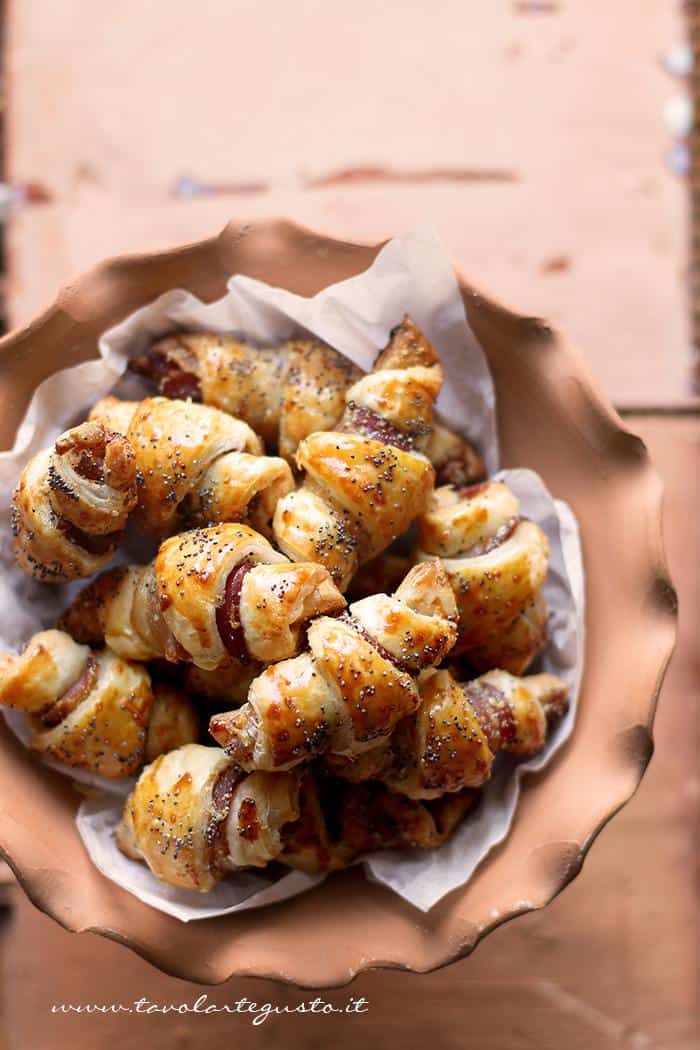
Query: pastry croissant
point(367, 481)
point(193, 817)
point(449, 743)
point(91, 709)
point(174, 720)
point(70, 507)
point(339, 821)
point(357, 680)
point(496, 562)
point(213, 597)
point(285, 393)
point(196, 465)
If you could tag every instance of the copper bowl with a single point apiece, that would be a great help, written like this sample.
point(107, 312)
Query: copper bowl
point(552, 418)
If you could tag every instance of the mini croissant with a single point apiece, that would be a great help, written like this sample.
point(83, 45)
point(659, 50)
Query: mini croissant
point(357, 680)
point(339, 822)
point(196, 465)
point(193, 817)
point(449, 743)
point(367, 481)
point(213, 597)
point(72, 502)
point(285, 393)
point(91, 709)
point(496, 562)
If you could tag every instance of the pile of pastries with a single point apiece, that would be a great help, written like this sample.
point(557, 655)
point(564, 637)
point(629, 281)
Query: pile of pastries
point(330, 647)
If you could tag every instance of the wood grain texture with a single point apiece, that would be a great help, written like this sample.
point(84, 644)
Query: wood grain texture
point(613, 962)
point(534, 143)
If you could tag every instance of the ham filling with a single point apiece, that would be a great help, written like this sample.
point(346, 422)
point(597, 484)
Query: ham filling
point(228, 614)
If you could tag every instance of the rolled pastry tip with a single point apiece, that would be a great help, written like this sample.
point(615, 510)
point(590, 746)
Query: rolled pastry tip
point(450, 742)
point(196, 465)
point(91, 710)
point(354, 684)
point(340, 822)
point(497, 564)
point(72, 502)
point(193, 817)
point(214, 597)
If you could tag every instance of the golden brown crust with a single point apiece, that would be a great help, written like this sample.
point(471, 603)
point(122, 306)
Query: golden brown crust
point(294, 390)
point(72, 502)
point(338, 823)
point(171, 819)
point(192, 817)
point(174, 721)
point(87, 709)
point(450, 741)
point(285, 393)
point(216, 597)
point(315, 384)
point(366, 481)
point(197, 465)
point(455, 459)
point(516, 646)
point(497, 564)
point(354, 684)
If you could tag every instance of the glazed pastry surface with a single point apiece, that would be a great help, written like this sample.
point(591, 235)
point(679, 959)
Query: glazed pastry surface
point(354, 684)
point(72, 502)
point(496, 562)
point(87, 709)
point(92, 710)
point(450, 741)
point(193, 817)
point(196, 465)
point(285, 393)
point(340, 726)
point(365, 482)
point(213, 597)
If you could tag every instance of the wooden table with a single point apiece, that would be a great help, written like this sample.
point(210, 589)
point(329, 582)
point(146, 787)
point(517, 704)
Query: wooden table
point(535, 142)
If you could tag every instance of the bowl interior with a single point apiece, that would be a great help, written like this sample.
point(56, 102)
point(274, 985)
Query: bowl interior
point(552, 419)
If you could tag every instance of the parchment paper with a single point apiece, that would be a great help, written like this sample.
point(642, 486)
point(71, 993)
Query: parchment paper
point(411, 274)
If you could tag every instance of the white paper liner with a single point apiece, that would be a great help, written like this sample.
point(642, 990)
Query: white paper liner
point(423, 877)
point(412, 275)
point(97, 821)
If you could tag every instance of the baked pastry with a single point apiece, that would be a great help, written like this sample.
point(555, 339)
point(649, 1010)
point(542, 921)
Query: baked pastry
point(455, 459)
point(285, 393)
point(381, 575)
point(193, 817)
point(90, 709)
point(352, 686)
point(496, 562)
point(196, 465)
point(366, 481)
point(225, 686)
point(174, 720)
point(212, 597)
point(449, 743)
point(70, 507)
point(339, 822)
